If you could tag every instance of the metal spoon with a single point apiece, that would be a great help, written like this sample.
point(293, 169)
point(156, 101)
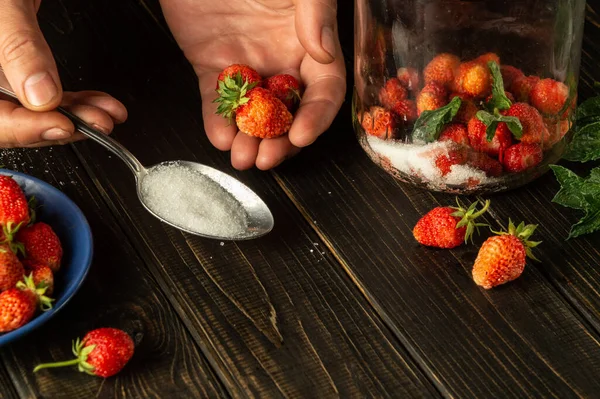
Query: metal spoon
point(258, 216)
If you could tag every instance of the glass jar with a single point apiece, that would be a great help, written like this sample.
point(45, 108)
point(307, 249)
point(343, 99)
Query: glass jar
point(465, 96)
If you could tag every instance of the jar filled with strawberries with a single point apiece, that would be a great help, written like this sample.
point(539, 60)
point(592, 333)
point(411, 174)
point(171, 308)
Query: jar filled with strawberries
point(466, 96)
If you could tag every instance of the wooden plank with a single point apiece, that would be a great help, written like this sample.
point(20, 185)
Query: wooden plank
point(7, 388)
point(118, 292)
point(277, 315)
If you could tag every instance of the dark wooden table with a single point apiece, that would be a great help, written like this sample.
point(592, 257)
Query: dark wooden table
point(338, 301)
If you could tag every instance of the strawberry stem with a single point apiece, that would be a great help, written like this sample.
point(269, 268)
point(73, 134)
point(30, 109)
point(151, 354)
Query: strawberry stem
point(468, 217)
point(65, 363)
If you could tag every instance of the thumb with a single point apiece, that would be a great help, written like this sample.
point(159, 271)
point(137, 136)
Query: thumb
point(26, 58)
point(316, 28)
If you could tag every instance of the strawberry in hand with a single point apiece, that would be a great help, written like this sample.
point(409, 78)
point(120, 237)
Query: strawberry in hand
point(448, 227)
point(102, 352)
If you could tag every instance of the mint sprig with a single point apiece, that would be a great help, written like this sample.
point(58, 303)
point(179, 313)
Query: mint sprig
point(585, 145)
point(430, 123)
point(491, 122)
point(499, 100)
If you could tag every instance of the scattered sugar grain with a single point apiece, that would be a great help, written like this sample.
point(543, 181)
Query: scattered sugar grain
point(193, 201)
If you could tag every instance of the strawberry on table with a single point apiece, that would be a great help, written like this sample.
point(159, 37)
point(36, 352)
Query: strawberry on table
point(41, 244)
point(448, 227)
point(534, 129)
point(502, 258)
point(379, 122)
point(441, 69)
point(549, 96)
point(286, 88)
point(522, 156)
point(245, 72)
point(18, 305)
point(102, 352)
point(392, 93)
point(11, 269)
point(14, 209)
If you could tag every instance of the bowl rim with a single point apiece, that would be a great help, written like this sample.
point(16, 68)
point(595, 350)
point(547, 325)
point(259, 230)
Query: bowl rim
point(42, 318)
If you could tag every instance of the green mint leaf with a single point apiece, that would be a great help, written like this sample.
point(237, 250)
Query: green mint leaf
point(590, 108)
point(514, 125)
point(499, 99)
point(585, 145)
point(492, 121)
point(430, 124)
point(570, 194)
point(588, 224)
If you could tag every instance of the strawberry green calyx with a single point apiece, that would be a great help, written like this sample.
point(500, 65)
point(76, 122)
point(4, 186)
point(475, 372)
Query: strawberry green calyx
point(523, 232)
point(39, 291)
point(232, 94)
point(81, 353)
point(468, 217)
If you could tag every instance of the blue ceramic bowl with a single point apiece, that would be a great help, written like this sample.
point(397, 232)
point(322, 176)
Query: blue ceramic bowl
point(72, 228)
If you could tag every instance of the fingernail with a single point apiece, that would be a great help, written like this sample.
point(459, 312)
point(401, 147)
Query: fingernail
point(55, 134)
point(328, 41)
point(100, 128)
point(40, 89)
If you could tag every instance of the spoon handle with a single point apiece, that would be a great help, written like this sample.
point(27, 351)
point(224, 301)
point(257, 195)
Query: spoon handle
point(104, 140)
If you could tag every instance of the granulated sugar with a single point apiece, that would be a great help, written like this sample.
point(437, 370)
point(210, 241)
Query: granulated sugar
point(193, 201)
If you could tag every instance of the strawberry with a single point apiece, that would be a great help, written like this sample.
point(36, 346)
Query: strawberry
point(431, 97)
point(509, 75)
point(487, 57)
point(456, 132)
point(247, 74)
point(448, 227)
point(508, 95)
point(11, 269)
point(556, 131)
point(102, 352)
point(409, 77)
point(468, 108)
point(41, 274)
point(14, 209)
point(286, 88)
point(441, 69)
point(474, 79)
point(379, 122)
point(521, 87)
point(391, 93)
point(484, 162)
point(522, 156)
point(534, 130)
point(406, 111)
point(549, 96)
point(41, 244)
point(455, 156)
point(18, 305)
point(478, 138)
point(502, 258)
point(261, 114)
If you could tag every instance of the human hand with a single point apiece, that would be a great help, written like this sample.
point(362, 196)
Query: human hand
point(30, 71)
point(298, 37)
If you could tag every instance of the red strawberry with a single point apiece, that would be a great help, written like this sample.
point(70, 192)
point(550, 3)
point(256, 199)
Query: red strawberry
point(263, 115)
point(448, 227)
point(455, 156)
point(522, 86)
point(102, 352)
point(247, 74)
point(478, 137)
point(556, 131)
point(487, 57)
point(468, 108)
point(502, 258)
point(41, 274)
point(549, 96)
point(18, 305)
point(11, 269)
point(391, 93)
point(409, 77)
point(441, 69)
point(474, 79)
point(431, 97)
point(41, 244)
point(406, 110)
point(509, 75)
point(14, 209)
point(456, 132)
point(506, 93)
point(484, 162)
point(379, 122)
point(286, 88)
point(534, 130)
point(522, 156)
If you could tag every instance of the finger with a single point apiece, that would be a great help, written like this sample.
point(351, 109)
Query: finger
point(95, 117)
point(273, 152)
point(243, 151)
point(321, 101)
point(113, 107)
point(26, 58)
point(316, 28)
point(21, 127)
point(219, 132)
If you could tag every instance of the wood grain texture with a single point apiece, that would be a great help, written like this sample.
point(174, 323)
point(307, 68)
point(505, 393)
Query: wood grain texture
point(277, 316)
point(7, 388)
point(118, 292)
